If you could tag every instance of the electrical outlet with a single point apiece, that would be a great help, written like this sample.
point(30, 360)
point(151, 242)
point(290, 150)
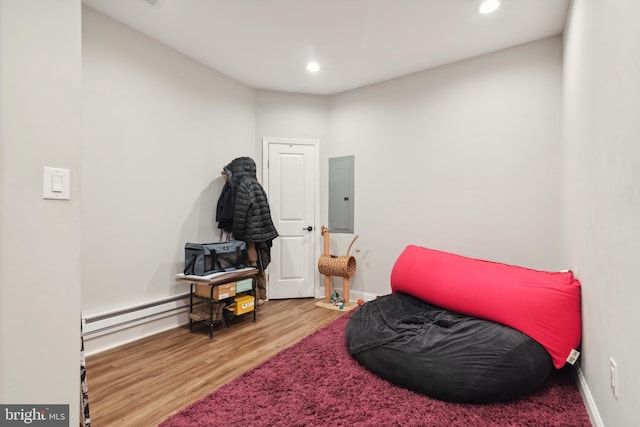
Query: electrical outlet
point(613, 377)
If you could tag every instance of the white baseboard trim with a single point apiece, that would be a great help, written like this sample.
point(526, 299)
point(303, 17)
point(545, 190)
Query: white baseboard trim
point(589, 403)
point(353, 295)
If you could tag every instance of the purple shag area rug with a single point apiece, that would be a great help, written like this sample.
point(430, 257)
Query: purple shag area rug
point(317, 383)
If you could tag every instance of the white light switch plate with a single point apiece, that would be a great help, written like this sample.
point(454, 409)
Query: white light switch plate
point(56, 184)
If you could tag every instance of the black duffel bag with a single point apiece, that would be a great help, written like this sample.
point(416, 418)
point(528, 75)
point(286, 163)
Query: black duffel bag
point(201, 259)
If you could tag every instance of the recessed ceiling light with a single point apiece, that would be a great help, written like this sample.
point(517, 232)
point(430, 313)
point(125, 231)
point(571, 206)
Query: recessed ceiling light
point(488, 6)
point(313, 67)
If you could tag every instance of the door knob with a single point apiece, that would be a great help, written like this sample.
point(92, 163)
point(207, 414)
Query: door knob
point(309, 228)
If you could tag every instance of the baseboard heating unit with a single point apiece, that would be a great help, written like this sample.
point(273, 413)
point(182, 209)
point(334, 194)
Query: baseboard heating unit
point(110, 329)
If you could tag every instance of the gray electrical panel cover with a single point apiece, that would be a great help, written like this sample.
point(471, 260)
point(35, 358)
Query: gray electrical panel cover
point(341, 194)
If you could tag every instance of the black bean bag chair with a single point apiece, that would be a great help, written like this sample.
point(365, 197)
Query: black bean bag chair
point(442, 354)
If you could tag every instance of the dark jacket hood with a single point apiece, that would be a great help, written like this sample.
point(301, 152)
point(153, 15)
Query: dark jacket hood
point(240, 167)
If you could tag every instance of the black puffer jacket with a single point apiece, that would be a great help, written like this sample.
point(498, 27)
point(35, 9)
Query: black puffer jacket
point(251, 213)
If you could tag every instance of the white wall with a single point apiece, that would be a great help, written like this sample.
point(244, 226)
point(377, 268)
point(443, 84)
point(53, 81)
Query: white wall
point(40, 94)
point(462, 158)
point(602, 195)
point(158, 127)
point(290, 115)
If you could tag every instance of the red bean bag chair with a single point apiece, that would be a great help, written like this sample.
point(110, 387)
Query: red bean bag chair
point(543, 305)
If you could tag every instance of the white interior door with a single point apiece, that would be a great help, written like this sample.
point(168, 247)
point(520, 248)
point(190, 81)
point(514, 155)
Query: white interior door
point(292, 187)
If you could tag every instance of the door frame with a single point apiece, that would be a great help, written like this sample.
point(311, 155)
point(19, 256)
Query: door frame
point(266, 141)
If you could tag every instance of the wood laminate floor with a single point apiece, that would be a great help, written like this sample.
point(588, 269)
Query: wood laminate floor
point(142, 383)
